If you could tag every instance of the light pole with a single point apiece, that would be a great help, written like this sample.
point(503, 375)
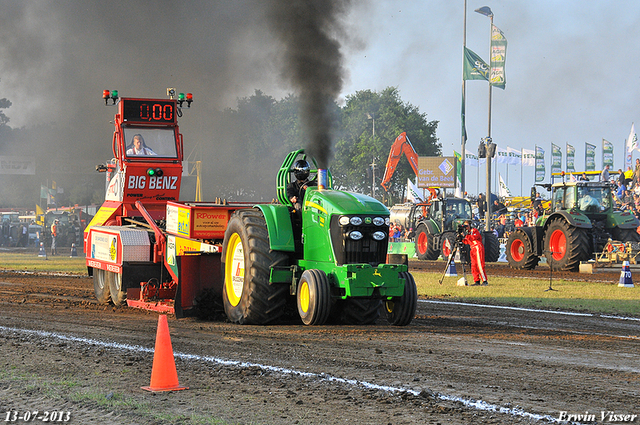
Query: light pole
point(486, 11)
point(372, 117)
point(463, 112)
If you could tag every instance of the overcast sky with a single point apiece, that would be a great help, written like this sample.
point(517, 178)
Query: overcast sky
point(572, 67)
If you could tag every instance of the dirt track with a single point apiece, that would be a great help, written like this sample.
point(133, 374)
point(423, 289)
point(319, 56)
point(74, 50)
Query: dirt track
point(451, 365)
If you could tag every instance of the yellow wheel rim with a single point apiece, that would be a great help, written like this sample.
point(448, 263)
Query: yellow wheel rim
point(234, 270)
point(303, 296)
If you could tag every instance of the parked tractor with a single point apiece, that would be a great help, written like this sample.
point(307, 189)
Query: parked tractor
point(581, 220)
point(436, 223)
point(324, 262)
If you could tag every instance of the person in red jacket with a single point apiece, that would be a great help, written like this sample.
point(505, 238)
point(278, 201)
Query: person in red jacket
point(473, 238)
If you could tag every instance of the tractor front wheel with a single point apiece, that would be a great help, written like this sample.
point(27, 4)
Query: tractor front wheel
point(566, 246)
point(491, 247)
point(313, 297)
point(100, 286)
point(520, 253)
point(247, 261)
point(401, 310)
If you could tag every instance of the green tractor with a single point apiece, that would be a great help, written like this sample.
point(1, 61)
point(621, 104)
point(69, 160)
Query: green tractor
point(581, 220)
point(327, 261)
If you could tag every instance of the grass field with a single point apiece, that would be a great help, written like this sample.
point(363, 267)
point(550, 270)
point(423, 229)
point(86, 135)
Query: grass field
point(603, 298)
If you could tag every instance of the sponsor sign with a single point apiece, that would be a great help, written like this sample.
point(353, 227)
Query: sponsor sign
point(104, 247)
point(25, 165)
point(436, 171)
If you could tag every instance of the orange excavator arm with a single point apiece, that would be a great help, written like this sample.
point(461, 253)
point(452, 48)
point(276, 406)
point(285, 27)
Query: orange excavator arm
point(400, 146)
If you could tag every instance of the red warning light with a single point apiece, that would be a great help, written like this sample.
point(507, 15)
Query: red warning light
point(106, 94)
point(189, 97)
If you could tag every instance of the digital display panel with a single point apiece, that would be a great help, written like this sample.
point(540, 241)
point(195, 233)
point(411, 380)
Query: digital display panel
point(149, 111)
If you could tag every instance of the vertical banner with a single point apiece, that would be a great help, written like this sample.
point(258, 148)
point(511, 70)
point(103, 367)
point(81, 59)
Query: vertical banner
point(528, 158)
point(556, 159)
point(607, 154)
point(515, 156)
point(632, 143)
point(458, 189)
point(540, 171)
point(571, 159)
point(470, 159)
point(589, 157)
point(498, 56)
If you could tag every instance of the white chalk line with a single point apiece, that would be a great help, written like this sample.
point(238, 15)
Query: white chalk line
point(534, 310)
point(475, 404)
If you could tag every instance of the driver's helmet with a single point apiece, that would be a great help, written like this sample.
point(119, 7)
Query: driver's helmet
point(301, 169)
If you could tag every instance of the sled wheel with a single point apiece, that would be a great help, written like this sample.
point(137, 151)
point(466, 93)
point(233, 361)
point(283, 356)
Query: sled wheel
point(100, 286)
point(401, 310)
point(313, 297)
point(118, 295)
point(247, 296)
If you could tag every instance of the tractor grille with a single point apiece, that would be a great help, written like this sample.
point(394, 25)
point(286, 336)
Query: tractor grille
point(366, 250)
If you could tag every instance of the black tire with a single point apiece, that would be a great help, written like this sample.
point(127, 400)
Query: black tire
point(246, 256)
point(520, 254)
point(313, 297)
point(101, 286)
point(425, 248)
point(360, 311)
point(401, 310)
point(491, 247)
point(625, 235)
point(118, 295)
point(566, 246)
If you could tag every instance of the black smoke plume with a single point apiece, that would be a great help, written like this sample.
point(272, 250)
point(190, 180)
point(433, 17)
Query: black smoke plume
point(312, 62)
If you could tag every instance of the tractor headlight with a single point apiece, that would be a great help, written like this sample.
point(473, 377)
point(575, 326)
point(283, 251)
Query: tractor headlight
point(344, 220)
point(356, 221)
point(387, 221)
point(378, 221)
point(355, 235)
point(378, 236)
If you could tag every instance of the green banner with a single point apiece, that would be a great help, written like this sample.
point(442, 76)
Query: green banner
point(607, 153)
point(571, 159)
point(556, 159)
point(498, 58)
point(589, 157)
point(540, 171)
point(474, 68)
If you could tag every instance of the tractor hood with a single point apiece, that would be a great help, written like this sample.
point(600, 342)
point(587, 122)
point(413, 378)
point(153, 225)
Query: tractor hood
point(335, 201)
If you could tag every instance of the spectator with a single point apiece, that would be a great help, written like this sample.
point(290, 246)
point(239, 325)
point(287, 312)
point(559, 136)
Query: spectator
point(499, 207)
point(584, 178)
point(482, 205)
point(628, 177)
point(604, 176)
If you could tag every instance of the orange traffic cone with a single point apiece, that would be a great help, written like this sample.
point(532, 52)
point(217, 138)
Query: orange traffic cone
point(164, 376)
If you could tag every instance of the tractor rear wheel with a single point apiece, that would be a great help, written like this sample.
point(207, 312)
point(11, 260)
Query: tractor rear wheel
point(491, 247)
point(401, 310)
point(566, 246)
point(520, 253)
point(118, 296)
point(100, 286)
point(247, 296)
point(425, 248)
point(360, 311)
point(448, 242)
point(313, 297)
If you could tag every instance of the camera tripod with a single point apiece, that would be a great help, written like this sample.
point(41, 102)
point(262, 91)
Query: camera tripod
point(452, 256)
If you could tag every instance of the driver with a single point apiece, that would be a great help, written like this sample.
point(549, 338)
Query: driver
point(297, 188)
point(139, 147)
point(586, 201)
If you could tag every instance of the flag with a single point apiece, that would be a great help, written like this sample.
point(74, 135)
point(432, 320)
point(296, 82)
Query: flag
point(504, 191)
point(413, 194)
point(607, 153)
point(528, 157)
point(502, 156)
point(631, 145)
point(474, 68)
point(540, 168)
point(556, 158)
point(572, 178)
point(458, 189)
point(498, 56)
point(589, 157)
point(571, 158)
point(515, 156)
point(471, 159)
point(39, 215)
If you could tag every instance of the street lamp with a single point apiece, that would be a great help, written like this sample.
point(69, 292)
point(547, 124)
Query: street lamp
point(486, 11)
